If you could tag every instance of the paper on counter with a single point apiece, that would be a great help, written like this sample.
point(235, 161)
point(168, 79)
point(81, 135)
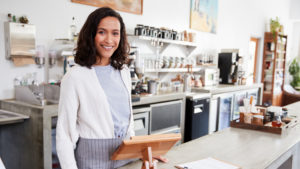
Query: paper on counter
point(1, 165)
point(207, 163)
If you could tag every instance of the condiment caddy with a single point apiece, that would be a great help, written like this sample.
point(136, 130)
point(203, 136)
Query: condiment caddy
point(271, 119)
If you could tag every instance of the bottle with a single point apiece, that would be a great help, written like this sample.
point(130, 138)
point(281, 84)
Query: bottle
point(72, 30)
point(187, 82)
point(9, 17)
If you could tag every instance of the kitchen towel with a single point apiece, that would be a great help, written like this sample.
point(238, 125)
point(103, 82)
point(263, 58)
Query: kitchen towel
point(18, 61)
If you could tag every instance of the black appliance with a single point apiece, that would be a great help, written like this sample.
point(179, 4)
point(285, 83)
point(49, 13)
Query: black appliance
point(228, 65)
point(196, 117)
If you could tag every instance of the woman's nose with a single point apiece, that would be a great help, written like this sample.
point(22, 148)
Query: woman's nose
point(109, 38)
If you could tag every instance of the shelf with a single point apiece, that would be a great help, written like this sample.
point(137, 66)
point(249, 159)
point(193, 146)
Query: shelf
point(280, 51)
point(280, 60)
point(173, 70)
point(269, 52)
point(279, 70)
point(277, 60)
point(177, 42)
point(282, 43)
point(274, 58)
point(267, 92)
point(164, 43)
point(207, 65)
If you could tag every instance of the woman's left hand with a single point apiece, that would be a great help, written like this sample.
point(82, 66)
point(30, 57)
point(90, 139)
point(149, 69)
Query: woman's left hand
point(161, 158)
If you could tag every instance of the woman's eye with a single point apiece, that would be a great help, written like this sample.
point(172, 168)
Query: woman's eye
point(116, 33)
point(101, 32)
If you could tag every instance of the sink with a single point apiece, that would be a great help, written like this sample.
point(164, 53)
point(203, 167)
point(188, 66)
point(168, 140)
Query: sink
point(41, 95)
point(7, 117)
point(48, 102)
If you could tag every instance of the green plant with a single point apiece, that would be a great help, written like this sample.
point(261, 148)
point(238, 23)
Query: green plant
point(274, 26)
point(294, 70)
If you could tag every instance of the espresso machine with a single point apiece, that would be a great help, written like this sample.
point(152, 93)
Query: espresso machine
point(136, 70)
point(228, 63)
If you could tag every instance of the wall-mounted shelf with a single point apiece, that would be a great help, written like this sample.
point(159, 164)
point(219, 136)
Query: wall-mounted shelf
point(179, 70)
point(162, 44)
point(177, 42)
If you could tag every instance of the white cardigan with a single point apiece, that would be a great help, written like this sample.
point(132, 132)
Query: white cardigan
point(84, 112)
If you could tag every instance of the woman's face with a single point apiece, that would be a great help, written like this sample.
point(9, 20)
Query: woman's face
point(107, 37)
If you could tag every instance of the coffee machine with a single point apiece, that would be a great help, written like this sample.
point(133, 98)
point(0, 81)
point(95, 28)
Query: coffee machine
point(228, 63)
point(135, 65)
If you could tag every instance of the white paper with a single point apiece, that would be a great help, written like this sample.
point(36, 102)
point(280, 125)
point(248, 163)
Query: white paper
point(207, 163)
point(1, 165)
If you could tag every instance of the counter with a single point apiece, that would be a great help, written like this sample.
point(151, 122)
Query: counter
point(160, 97)
point(246, 148)
point(7, 117)
point(28, 144)
point(225, 88)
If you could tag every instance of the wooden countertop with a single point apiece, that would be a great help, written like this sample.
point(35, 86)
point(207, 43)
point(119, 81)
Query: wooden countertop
point(246, 148)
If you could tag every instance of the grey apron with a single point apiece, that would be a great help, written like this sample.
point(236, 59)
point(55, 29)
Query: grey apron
point(96, 153)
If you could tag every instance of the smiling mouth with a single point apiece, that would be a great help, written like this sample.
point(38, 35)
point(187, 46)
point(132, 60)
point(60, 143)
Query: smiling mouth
point(107, 47)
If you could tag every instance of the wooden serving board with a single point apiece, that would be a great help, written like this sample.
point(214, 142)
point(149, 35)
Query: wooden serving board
point(266, 127)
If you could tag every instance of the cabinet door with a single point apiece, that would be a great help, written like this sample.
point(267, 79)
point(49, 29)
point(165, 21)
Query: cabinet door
point(254, 93)
point(224, 110)
point(165, 116)
point(238, 101)
point(213, 115)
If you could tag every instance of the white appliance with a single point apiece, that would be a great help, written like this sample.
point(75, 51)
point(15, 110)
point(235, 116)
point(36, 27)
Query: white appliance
point(210, 76)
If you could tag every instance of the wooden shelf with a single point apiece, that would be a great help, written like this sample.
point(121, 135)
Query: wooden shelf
point(267, 92)
point(281, 51)
point(279, 69)
point(275, 75)
point(269, 52)
point(280, 60)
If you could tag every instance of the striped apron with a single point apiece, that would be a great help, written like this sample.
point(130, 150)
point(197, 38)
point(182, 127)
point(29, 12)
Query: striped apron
point(96, 153)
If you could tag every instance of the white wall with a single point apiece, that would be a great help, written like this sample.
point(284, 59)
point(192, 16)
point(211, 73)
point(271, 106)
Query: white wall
point(237, 21)
point(294, 9)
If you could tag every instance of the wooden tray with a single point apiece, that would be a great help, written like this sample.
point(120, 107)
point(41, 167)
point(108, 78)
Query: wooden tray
point(267, 127)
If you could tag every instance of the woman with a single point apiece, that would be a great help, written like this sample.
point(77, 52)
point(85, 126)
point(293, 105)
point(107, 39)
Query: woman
point(95, 112)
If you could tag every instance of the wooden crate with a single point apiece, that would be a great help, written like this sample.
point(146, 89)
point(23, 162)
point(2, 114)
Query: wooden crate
point(268, 126)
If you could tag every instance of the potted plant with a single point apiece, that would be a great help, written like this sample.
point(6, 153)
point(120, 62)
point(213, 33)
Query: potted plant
point(294, 70)
point(274, 26)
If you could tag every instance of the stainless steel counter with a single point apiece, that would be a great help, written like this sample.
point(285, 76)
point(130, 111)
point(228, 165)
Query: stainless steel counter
point(7, 117)
point(224, 88)
point(161, 97)
point(35, 132)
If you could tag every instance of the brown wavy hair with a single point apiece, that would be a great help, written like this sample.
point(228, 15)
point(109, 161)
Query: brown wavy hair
point(86, 53)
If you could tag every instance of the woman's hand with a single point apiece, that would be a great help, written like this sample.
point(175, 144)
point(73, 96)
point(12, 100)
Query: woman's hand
point(161, 158)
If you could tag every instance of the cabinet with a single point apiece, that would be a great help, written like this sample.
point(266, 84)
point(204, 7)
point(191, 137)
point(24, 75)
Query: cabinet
point(273, 70)
point(224, 107)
